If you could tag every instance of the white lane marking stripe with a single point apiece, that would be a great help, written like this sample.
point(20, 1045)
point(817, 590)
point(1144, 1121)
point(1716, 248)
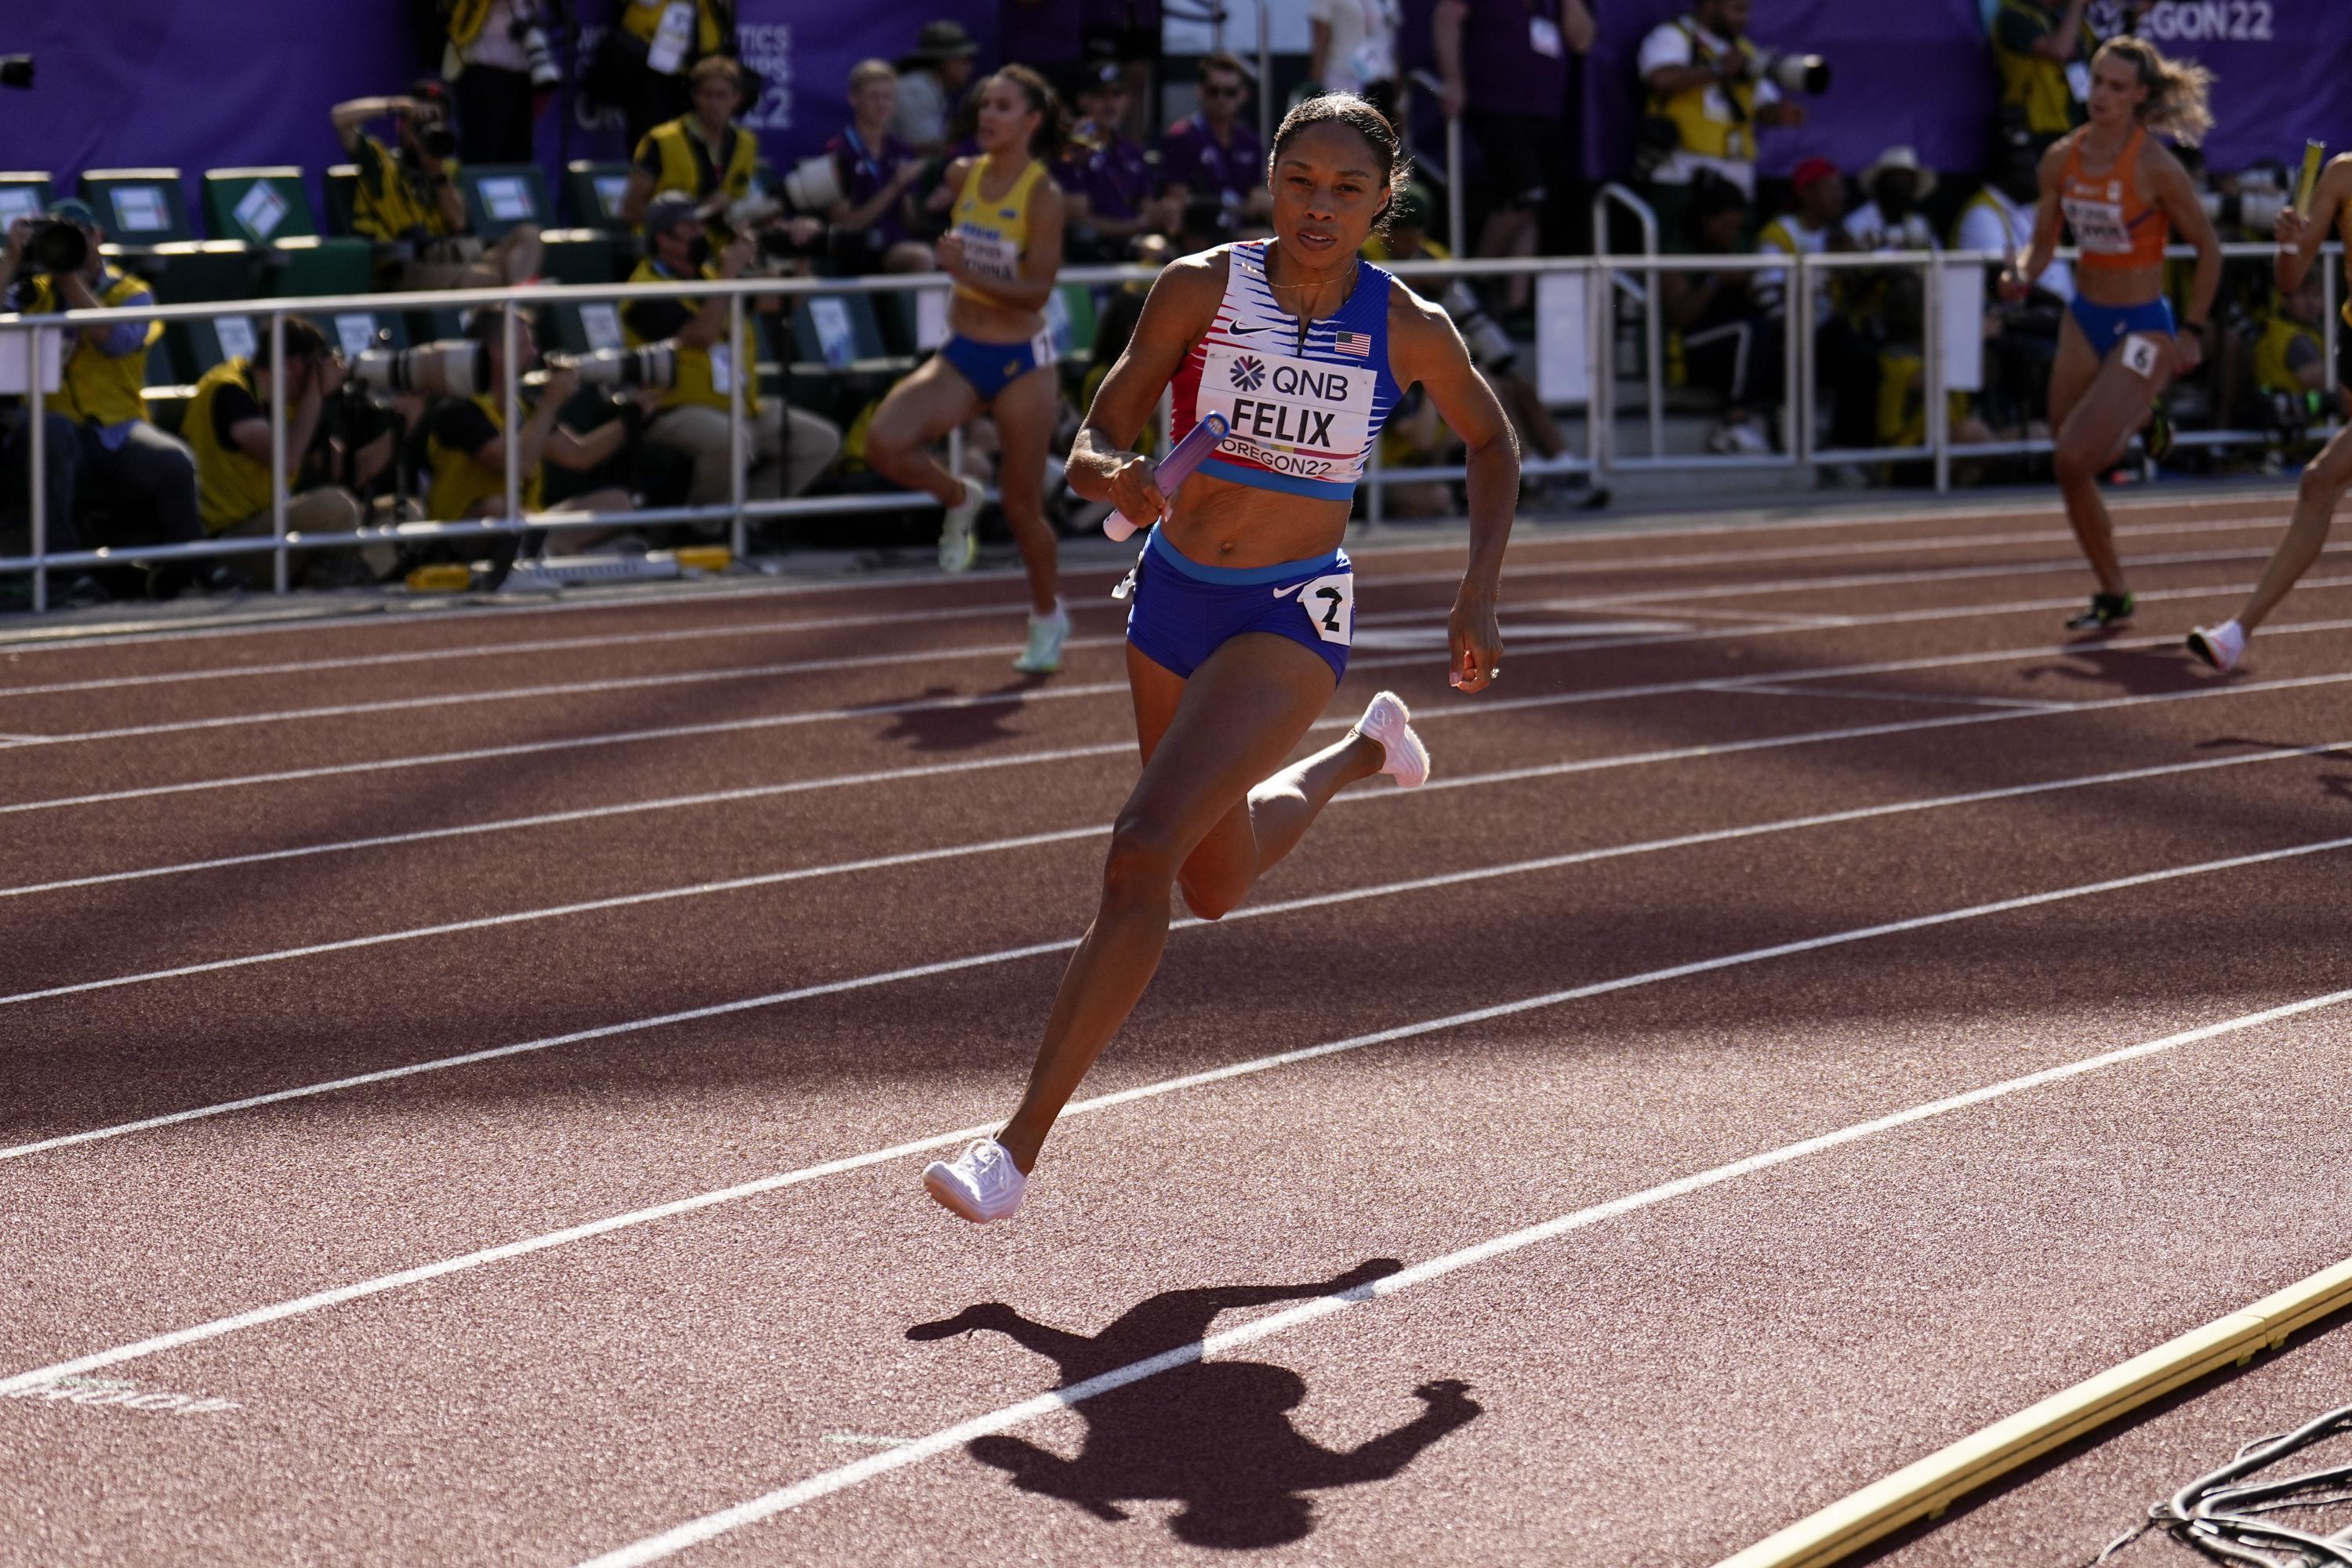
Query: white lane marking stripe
point(671, 1542)
point(1318, 901)
point(741, 884)
point(1903, 617)
point(1758, 689)
point(277, 1312)
point(1021, 697)
point(771, 628)
point(66, 640)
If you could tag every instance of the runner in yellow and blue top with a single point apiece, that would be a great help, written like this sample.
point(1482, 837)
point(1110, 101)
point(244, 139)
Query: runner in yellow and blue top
point(1003, 251)
point(2326, 477)
point(1244, 603)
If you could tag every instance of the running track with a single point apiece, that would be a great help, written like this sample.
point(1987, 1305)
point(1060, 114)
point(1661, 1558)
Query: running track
point(465, 1075)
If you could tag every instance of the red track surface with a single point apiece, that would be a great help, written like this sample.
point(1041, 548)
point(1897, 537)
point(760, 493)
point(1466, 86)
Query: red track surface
point(865, 960)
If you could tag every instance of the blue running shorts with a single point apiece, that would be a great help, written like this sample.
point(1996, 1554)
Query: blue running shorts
point(1183, 611)
point(992, 367)
point(2104, 326)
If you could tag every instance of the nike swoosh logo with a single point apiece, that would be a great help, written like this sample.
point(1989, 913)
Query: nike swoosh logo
point(1245, 332)
point(1285, 593)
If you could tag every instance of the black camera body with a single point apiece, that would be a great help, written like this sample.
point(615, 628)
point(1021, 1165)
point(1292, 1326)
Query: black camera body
point(57, 246)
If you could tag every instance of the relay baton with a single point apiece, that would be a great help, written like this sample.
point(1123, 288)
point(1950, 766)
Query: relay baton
point(2313, 155)
point(1175, 468)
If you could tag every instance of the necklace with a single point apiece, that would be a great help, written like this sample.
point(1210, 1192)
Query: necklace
point(1355, 267)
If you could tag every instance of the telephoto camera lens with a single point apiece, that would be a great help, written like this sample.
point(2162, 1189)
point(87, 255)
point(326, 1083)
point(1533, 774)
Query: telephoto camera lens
point(654, 365)
point(56, 247)
point(1808, 74)
point(16, 70)
point(454, 368)
point(1490, 347)
point(544, 75)
point(2256, 210)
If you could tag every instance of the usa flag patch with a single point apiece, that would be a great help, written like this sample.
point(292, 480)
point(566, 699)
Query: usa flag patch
point(1356, 345)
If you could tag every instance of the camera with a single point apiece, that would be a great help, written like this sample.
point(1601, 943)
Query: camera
point(55, 246)
point(16, 70)
point(2253, 209)
point(455, 367)
point(1490, 347)
point(654, 365)
point(1808, 74)
point(438, 140)
point(813, 184)
point(544, 75)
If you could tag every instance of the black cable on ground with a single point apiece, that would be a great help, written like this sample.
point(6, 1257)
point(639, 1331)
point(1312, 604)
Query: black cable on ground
point(2226, 1513)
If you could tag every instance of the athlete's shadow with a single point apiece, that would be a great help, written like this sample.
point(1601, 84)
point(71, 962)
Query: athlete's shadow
point(937, 721)
point(1214, 1437)
point(2135, 672)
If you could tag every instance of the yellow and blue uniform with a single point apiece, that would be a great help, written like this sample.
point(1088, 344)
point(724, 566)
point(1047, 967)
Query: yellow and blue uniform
point(995, 235)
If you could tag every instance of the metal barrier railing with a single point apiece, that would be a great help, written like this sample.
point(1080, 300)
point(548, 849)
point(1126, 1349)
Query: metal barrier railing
point(1599, 380)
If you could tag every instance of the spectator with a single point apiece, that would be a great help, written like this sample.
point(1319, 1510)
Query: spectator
point(650, 52)
point(2289, 354)
point(1724, 338)
point(1214, 153)
point(409, 200)
point(1127, 33)
point(691, 417)
point(931, 80)
point(2043, 49)
point(702, 154)
point(1815, 225)
point(1517, 52)
point(228, 427)
point(1107, 176)
point(1352, 48)
point(2020, 338)
point(466, 441)
point(488, 61)
point(875, 171)
point(123, 462)
point(1889, 217)
point(1706, 105)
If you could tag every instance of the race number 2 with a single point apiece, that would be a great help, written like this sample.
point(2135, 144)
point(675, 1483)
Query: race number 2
point(1331, 604)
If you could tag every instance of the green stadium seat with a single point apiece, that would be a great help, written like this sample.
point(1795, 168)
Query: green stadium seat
point(837, 330)
point(581, 328)
point(501, 196)
point(139, 207)
point(23, 195)
point(266, 207)
point(200, 345)
point(342, 197)
point(314, 267)
point(596, 190)
point(578, 256)
point(1070, 312)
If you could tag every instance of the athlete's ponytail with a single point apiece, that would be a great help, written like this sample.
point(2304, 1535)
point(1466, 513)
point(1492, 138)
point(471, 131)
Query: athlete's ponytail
point(2179, 92)
point(1052, 118)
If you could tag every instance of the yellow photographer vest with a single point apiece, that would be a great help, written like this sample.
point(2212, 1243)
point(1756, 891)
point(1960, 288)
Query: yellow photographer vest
point(99, 389)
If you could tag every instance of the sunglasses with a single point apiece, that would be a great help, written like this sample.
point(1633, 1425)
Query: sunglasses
point(1220, 93)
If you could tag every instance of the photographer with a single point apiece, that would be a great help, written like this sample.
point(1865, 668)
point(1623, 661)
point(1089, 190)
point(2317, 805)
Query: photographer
point(692, 416)
point(703, 154)
point(123, 461)
point(1724, 338)
point(408, 200)
point(228, 427)
point(1709, 91)
point(641, 67)
point(465, 444)
point(498, 57)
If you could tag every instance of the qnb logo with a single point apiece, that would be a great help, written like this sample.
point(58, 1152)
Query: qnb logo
point(1249, 372)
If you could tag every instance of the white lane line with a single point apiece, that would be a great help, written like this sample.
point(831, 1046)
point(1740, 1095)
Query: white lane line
point(1020, 696)
point(581, 814)
point(670, 1543)
point(64, 639)
point(741, 884)
point(1011, 955)
point(197, 1334)
point(1861, 696)
point(734, 726)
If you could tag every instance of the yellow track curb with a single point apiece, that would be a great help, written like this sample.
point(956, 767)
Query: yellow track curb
point(1925, 1489)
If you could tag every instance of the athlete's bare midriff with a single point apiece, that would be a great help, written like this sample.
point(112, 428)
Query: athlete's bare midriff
point(1220, 522)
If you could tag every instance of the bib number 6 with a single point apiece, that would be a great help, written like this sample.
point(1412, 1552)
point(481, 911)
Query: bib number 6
point(1330, 606)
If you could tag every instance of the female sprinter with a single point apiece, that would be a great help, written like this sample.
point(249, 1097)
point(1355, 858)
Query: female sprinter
point(2326, 477)
point(2116, 187)
point(1244, 603)
point(1003, 251)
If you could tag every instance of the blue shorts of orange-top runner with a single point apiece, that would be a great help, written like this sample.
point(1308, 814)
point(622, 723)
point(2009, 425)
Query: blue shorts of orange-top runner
point(1184, 610)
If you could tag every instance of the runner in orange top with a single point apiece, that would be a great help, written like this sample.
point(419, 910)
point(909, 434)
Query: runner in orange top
point(2121, 191)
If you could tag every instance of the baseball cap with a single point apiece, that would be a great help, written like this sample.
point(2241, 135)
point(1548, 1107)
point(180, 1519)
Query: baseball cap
point(1812, 172)
point(668, 210)
point(75, 211)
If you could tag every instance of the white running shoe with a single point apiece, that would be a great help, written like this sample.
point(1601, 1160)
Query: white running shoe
point(1388, 720)
point(1047, 636)
point(2222, 647)
point(982, 1184)
point(957, 544)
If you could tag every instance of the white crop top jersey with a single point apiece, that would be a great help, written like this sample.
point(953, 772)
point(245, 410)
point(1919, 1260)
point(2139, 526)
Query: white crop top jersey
point(1303, 415)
